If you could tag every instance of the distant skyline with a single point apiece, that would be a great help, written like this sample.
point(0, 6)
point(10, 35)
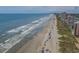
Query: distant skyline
point(38, 9)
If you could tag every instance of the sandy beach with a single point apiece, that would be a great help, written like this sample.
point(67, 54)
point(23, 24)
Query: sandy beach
point(45, 41)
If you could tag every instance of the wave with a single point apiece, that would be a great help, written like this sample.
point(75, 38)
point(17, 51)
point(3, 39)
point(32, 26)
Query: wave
point(21, 32)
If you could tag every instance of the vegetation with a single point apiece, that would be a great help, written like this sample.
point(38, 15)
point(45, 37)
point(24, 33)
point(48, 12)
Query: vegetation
point(76, 15)
point(67, 40)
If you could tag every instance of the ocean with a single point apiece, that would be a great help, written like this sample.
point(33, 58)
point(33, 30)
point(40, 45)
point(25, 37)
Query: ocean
point(15, 27)
point(10, 21)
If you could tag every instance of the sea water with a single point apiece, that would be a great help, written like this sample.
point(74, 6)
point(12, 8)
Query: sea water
point(14, 27)
point(11, 21)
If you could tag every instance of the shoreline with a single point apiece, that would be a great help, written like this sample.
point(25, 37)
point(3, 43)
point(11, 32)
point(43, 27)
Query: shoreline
point(40, 43)
point(21, 43)
point(36, 42)
point(42, 37)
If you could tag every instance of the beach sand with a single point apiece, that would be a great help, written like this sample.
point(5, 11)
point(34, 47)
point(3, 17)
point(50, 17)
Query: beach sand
point(33, 45)
point(43, 42)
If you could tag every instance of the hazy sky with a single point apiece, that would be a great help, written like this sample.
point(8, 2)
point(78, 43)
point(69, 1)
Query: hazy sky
point(37, 9)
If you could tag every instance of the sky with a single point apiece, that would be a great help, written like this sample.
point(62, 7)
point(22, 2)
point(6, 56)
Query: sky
point(38, 9)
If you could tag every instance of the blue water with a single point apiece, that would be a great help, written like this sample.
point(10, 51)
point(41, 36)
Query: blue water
point(11, 21)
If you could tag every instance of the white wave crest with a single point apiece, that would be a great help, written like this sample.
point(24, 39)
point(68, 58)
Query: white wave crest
point(26, 29)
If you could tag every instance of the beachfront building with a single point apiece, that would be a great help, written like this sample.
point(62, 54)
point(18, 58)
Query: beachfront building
point(76, 28)
point(71, 21)
point(63, 16)
point(68, 19)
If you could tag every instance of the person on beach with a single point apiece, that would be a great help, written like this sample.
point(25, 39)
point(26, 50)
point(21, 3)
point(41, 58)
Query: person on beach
point(42, 50)
point(48, 51)
point(44, 44)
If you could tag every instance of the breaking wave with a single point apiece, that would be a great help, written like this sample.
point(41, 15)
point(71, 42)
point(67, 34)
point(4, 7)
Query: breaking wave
point(16, 35)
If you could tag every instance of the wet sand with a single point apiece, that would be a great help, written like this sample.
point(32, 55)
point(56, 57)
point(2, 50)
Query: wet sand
point(45, 41)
